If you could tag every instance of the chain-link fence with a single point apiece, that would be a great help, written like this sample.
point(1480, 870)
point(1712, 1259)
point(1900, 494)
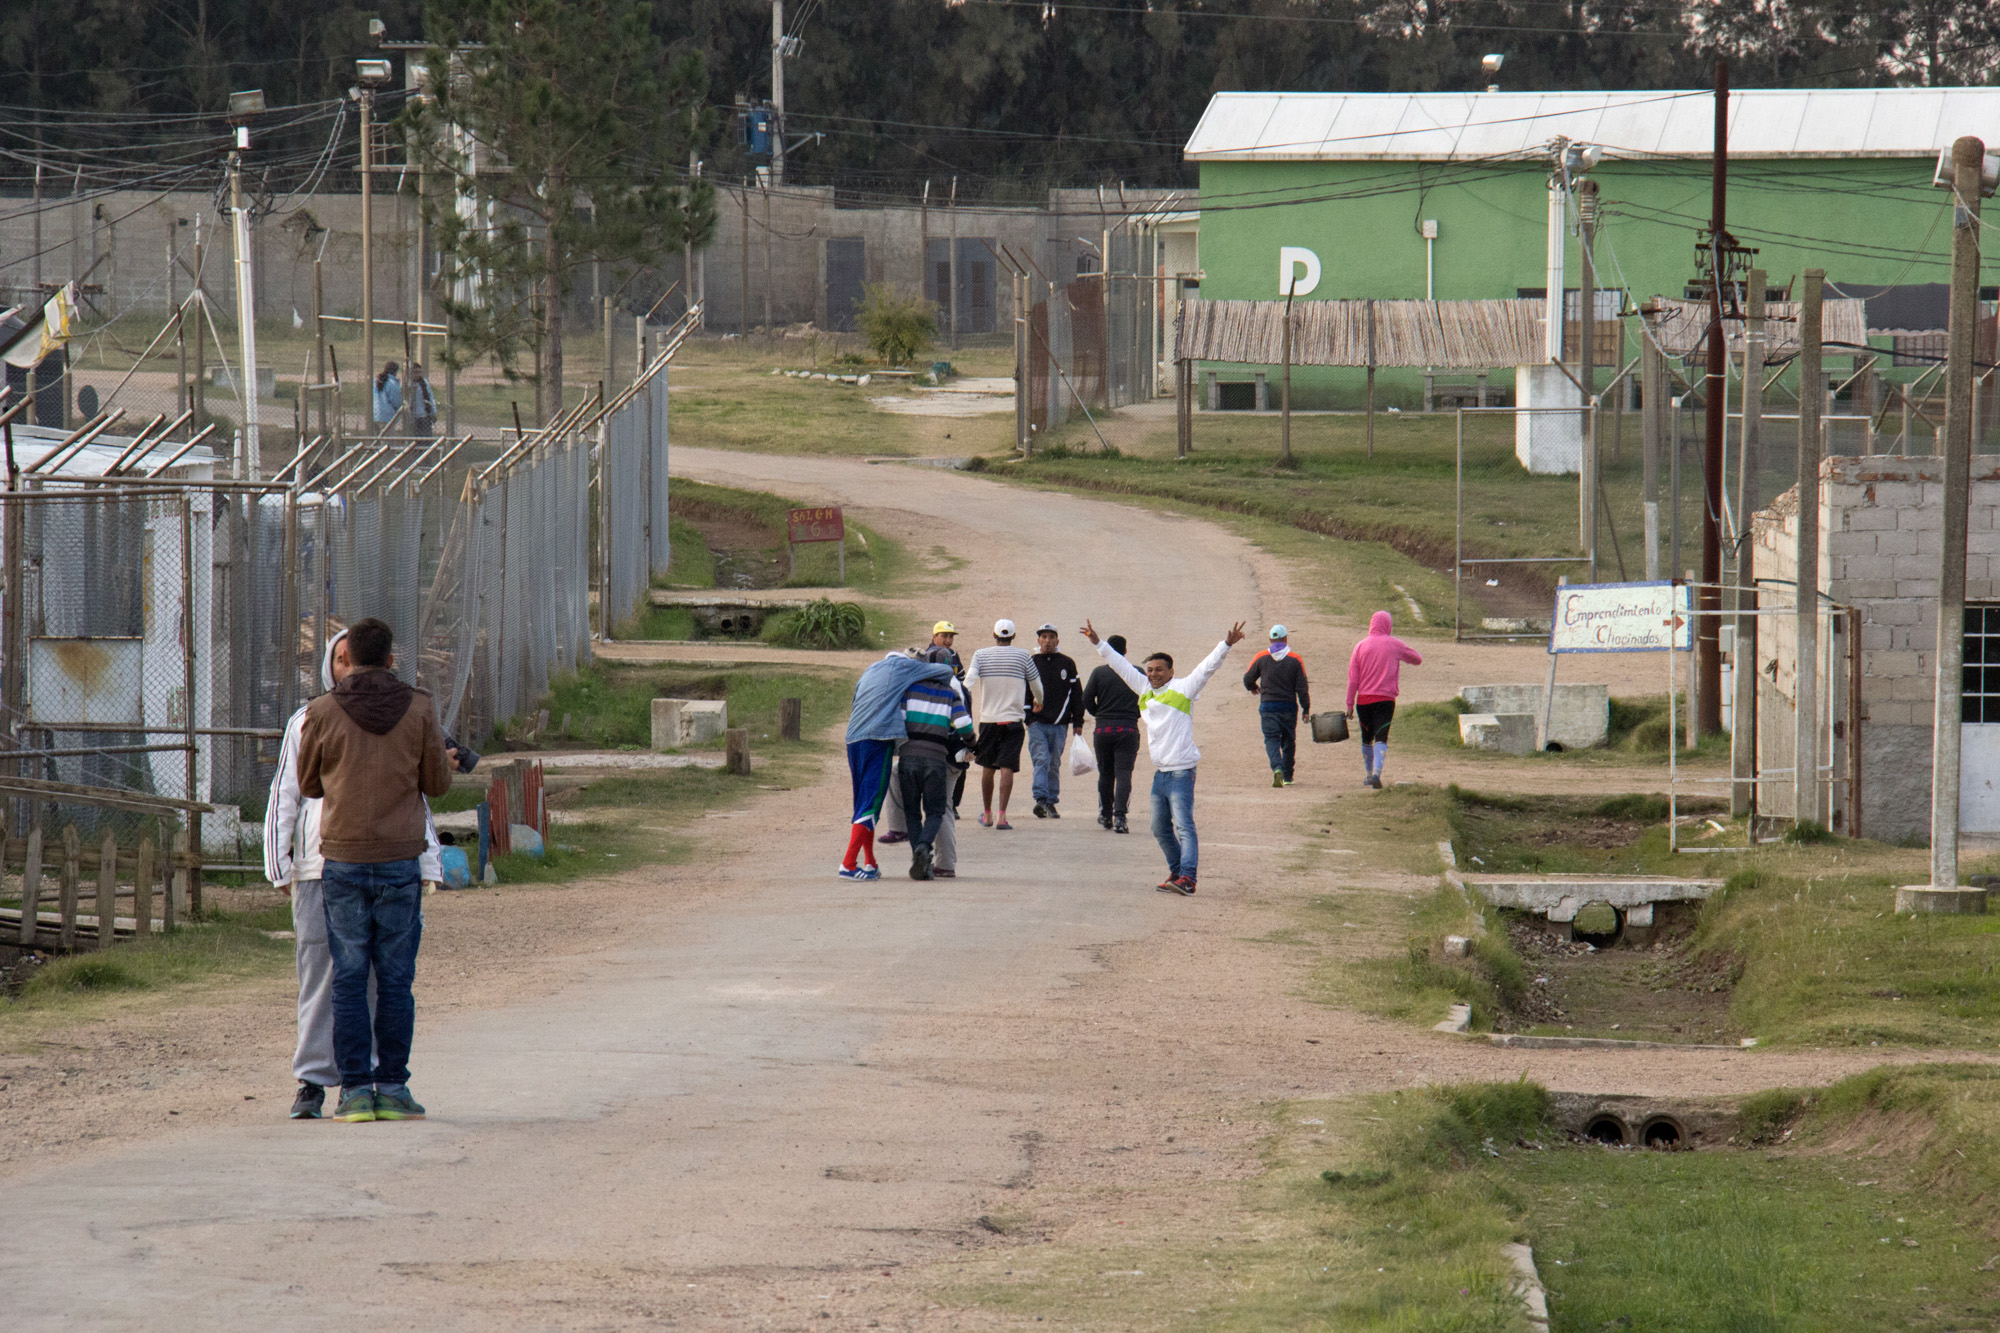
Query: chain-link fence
point(632, 513)
point(1520, 515)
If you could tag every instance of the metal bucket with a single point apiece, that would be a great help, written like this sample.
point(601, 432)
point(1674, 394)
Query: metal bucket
point(1329, 726)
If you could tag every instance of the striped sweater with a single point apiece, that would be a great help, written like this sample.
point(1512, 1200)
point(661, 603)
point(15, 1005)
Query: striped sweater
point(934, 714)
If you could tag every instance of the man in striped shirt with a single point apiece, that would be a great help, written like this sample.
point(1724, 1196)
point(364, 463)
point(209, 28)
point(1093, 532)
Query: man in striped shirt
point(940, 730)
point(1006, 677)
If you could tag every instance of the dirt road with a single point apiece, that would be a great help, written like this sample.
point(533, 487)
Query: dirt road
point(747, 1094)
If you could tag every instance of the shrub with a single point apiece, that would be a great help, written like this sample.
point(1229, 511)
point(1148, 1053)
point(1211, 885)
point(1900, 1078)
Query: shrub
point(899, 325)
point(824, 623)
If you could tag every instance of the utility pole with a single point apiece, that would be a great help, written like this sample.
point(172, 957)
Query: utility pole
point(1653, 387)
point(743, 310)
point(1708, 626)
point(1812, 398)
point(924, 242)
point(768, 325)
point(367, 245)
point(1586, 329)
point(952, 261)
point(1968, 157)
point(777, 92)
point(1743, 677)
point(252, 462)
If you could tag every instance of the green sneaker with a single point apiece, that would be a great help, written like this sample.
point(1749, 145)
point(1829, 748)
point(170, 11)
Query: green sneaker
point(397, 1106)
point(356, 1104)
point(1277, 777)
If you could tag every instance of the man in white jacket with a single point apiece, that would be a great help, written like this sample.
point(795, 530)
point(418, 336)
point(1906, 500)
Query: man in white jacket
point(1166, 704)
point(292, 815)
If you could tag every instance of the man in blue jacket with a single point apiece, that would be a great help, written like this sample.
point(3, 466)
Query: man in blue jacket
point(874, 727)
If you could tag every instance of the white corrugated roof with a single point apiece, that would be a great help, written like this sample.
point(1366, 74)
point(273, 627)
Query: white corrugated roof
point(1767, 123)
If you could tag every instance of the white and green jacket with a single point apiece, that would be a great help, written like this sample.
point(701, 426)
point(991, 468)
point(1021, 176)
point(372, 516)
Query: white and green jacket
point(1168, 712)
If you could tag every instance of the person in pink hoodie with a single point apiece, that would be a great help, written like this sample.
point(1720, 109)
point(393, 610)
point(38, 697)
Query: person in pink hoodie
point(1372, 684)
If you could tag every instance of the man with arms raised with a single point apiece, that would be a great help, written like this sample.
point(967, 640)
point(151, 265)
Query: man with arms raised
point(1166, 702)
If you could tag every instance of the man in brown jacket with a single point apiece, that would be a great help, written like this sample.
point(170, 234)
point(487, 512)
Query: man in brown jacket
point(372, 749)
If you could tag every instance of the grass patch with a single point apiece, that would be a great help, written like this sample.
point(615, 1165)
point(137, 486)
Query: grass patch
point(610, 706)
point(1828, 962)
point(221, 948)
point(821, 623)
point(690, 563)
point(747, 528)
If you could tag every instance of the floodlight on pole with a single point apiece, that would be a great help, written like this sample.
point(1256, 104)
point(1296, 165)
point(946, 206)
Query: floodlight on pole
point(373, 72)
point(244, 105)
point(1490, 64)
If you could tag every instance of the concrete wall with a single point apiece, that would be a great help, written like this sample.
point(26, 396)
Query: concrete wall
point(1880, 541)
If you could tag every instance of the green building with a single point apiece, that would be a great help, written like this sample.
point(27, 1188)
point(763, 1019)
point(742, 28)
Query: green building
point(1448, 196)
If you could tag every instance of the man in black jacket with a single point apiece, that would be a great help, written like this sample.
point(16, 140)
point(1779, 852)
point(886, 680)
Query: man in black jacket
point(1049, 725)
point(1116, 707)
point(1278, 678)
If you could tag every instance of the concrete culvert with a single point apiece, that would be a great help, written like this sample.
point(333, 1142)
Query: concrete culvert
point(1598, 924)
point(1664, 1133)
point(1605, 1129)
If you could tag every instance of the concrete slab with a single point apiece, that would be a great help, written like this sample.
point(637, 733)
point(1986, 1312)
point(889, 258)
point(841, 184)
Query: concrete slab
point(1507, 733)
point(1582, 716)
point(1922, 898)
point(1549, 893)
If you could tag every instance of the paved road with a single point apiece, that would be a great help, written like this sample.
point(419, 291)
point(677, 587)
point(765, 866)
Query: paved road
point(773, 1093)
point(701, 1097)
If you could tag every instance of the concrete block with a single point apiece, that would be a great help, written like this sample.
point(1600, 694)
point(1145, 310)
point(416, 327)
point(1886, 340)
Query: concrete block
point(678, 722)
point(1861, 567)
point(1457, 946)
point(1903, 541)
point(1875, 638)
point(1840, 544)
point(1930, 542)
point(1861, 587)
point(1508, 733)
point(1581, 718)
point(1868, 518)
point(1561, 897)
point(1917, 587)
point(1915, 567)
point(1898, 495)
point(1894, 613)
point(1920, 520)
point(1884, 666)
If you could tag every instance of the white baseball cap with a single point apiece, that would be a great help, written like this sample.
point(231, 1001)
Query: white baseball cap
point(1003, 629)
point(1048, 629)
point(1277, 632)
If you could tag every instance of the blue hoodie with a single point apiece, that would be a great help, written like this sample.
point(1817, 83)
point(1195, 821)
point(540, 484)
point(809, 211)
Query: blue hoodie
point(878, 697)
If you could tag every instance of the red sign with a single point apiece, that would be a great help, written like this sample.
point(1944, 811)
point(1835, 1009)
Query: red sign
point(815, 525)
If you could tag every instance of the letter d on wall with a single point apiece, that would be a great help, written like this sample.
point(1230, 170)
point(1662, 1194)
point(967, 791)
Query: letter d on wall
point(1292, 258)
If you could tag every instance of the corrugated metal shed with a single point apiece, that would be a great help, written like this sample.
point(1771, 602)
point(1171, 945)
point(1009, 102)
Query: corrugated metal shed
point(1439, 127)
point(1461, 335)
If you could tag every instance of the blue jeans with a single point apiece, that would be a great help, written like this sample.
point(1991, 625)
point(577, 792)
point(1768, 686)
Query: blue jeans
point(374, 922)
point(1173, 820)
point(1045, 746)
point(1281, 736)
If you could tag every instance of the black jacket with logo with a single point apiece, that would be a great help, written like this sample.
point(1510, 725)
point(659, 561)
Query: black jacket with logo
point(1062, 691)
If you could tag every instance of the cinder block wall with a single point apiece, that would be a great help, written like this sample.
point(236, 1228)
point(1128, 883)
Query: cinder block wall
point(1881, 521)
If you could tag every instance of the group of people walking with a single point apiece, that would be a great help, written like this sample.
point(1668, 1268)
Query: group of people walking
point(348, 836)
point(911, 737)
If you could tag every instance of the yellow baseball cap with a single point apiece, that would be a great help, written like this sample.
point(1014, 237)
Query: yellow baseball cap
point(944, 627)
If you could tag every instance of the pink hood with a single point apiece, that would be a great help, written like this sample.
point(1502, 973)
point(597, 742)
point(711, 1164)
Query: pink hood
point(1377, 661)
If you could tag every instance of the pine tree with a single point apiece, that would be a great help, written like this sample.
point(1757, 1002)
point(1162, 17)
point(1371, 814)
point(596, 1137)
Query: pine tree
point(581, 126)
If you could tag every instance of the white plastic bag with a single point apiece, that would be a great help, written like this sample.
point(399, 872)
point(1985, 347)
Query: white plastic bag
point(1081, 760)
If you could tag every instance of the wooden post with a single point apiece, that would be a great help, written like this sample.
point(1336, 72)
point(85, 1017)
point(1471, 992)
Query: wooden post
point(71, 869)
point(177, 885)
point(1371, 381)
point(31, 885)
point(142, 893)
point(107, 890)
point(789, 714)
point(736, 742)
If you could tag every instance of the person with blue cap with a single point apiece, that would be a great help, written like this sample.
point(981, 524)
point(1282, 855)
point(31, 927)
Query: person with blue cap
point(1277, 676)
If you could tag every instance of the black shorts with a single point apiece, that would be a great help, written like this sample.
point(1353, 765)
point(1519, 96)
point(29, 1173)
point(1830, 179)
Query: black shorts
point(1374, 719)
point(999, 745)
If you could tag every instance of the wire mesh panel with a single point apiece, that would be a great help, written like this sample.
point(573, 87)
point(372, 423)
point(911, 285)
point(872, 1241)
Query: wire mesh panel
point(1521, 521)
